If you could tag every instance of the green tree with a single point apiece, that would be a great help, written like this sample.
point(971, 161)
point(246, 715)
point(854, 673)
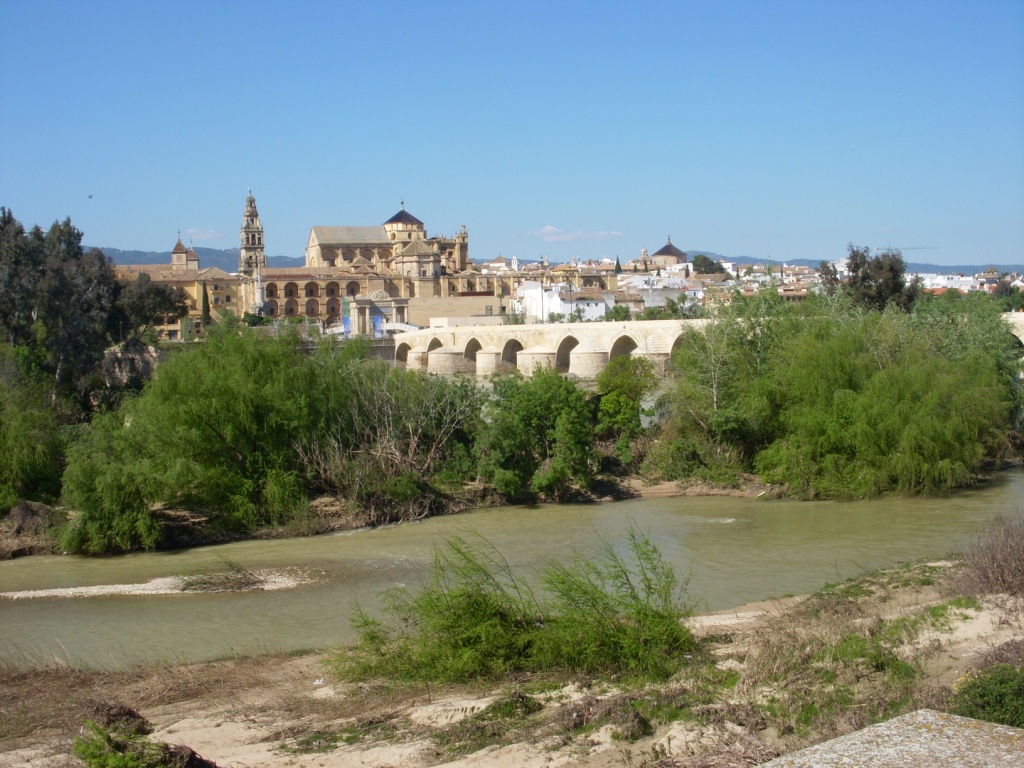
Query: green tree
point(143, 304)
point(876, 281)
point(829, 277)
point(622, 386)
point(204, 306)
point(57, 301)
point(618, 314)
point(538, 437)
point(31, 446)
point(704, 265)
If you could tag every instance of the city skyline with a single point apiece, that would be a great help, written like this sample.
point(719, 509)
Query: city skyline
point(780, 130)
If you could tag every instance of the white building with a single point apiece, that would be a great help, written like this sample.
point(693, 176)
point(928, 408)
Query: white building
point(538, 303)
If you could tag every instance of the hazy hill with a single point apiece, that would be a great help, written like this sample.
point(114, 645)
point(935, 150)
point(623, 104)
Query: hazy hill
point(226, 259)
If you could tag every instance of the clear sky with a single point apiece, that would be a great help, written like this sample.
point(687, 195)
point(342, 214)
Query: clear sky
point(766, 129)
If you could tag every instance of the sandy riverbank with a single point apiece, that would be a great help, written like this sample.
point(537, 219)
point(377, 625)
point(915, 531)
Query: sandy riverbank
point(290, 711)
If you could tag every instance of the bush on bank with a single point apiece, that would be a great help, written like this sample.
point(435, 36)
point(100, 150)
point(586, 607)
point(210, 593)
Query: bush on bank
point(836, 402)
point(245, 428)
point(474, 619)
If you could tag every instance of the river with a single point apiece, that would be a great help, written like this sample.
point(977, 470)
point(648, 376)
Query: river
point(732, 551)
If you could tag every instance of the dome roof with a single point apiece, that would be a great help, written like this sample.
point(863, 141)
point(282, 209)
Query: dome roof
point(670, 250)
point(403, 217)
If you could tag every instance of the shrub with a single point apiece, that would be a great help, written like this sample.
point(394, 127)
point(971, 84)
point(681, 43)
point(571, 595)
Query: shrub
point(476, 619)
point(615, 613)
point(117, 747)
point(995, 694)
point(994, 561)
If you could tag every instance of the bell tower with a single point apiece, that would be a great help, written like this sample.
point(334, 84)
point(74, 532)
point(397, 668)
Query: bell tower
point(252, 258)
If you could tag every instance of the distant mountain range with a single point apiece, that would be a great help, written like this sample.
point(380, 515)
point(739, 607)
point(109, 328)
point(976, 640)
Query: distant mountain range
point(227, 259)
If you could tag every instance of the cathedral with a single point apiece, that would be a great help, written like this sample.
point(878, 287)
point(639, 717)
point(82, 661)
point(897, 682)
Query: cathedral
point(361, 277)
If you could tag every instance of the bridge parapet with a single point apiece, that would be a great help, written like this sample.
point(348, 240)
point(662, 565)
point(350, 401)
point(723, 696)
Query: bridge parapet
point(578, 349)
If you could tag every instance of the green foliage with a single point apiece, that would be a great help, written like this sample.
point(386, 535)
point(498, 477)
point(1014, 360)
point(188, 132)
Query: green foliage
point(114, 747)
point(704, 265)
point(204, 306)
point(244, 427)
point(99, 748)
point(538, 437)
point(142, 304)
point(31, 444)
point(875, 282)
point(995, 694)
point(615, 613)
point(476, 619)
point(513, 318)
point(837, 402)
point(56, 301)
point(396, 430)
point(618, 314)
point(622, 385)
point(216, 430)
point(1009, 299)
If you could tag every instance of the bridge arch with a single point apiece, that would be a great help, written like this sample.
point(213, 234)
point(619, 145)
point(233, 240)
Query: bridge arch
point(472, 347)
point(624, 346)
point(510, 355)
point(563, 353)
point(435, 343)
point(402, 354)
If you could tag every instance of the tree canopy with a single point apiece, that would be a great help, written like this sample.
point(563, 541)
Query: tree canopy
point(877, 281)
point(705, 265)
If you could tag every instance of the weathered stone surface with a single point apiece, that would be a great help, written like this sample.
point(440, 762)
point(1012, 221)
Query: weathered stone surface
point(922, 738)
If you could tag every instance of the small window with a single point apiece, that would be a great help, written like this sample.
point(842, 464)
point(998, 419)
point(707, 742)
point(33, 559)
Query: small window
point(488, 310)
point(227, 299)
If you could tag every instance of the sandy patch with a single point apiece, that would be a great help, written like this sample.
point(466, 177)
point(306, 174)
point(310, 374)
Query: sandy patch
point(448, 712)
point(270, 581)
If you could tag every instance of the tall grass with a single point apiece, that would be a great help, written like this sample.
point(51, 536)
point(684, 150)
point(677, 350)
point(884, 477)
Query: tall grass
point(475, 619)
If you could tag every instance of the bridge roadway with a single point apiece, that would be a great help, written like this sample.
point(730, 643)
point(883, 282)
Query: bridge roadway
point(578, 349)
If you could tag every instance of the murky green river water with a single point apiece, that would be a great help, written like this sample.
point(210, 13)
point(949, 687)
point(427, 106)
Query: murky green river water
point(733, 550)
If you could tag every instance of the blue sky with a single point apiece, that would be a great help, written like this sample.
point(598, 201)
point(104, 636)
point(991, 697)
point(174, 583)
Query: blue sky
point(774, 130)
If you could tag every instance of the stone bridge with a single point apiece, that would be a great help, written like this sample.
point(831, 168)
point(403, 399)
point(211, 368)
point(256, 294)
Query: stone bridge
point(578, 349)
point(1016, 323)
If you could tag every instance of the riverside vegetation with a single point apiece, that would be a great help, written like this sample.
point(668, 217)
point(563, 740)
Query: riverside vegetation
point(868, 390)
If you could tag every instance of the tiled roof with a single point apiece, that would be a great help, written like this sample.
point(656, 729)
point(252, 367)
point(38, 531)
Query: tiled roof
point(351, 236)
point(417, 248)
